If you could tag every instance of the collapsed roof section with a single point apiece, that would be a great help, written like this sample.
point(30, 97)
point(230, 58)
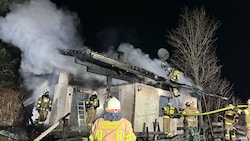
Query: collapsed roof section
point(114, 68)
point(100, 64)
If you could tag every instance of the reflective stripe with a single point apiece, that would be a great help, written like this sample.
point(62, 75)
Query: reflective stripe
point(114, 110)
point(119, 135)
point(91, 138)
point(44, 109)
point(130, 137)
point(228, 123)
point(165, 116)
point(95, 102)
point(40, 122)
point(99, 135)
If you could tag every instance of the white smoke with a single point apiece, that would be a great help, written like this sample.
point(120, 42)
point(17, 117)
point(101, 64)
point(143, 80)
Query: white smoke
point(135, 56)
point(39, 29)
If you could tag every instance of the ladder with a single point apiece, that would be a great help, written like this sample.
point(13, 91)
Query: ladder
point(81, 113)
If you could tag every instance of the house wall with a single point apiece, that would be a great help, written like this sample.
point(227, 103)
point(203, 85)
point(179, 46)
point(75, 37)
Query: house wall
point(141, 104)
point(59, 98)
point(147, 105)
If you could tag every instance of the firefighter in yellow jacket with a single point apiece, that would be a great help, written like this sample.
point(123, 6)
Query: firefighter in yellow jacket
point(43, 106)
point(191, 121)
point(231, 117)
point(247, 119)
point(168, 112)
point(174, 75)
point(112, 127)
point(91, 105)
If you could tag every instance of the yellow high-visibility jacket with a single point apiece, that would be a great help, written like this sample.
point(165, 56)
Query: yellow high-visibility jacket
point(190, 111)
point(231, 116)
point(168, 110)
point(247, 117)
point(44, 103)
point(104, 130)
point(174, 75)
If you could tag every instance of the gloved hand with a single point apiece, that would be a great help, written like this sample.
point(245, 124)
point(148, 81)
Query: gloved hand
point(235, 109)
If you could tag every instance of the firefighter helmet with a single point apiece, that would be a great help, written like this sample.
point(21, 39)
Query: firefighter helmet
point(169, 104)
point(170, 69)
point(113, 105)
point(46, 92)
point(188, 103)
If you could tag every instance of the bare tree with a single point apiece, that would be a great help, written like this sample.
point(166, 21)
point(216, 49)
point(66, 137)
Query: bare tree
point(194, 43)
point(195, 55)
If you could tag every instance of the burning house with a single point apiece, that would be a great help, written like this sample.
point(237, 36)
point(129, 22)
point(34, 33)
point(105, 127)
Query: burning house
point(141, 92)
point(53, 58)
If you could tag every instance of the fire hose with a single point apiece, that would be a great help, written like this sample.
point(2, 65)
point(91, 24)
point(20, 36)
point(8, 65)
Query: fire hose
point(214, 111)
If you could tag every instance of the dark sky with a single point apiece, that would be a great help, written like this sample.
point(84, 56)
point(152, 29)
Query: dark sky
point(144, 24)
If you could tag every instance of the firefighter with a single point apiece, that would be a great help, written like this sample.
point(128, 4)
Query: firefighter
point(247, 119)
point(190, 116)
point(91, 105)
point(231, 117)
point(112, 127)
point(168, 112)
point(43, 106)
point(174, 75)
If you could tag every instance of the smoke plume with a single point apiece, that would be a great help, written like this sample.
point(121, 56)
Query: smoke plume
point(39, 29)
point(135, 56)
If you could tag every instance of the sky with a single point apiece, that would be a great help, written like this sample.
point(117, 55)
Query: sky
point(144, 24)
point(141, 23)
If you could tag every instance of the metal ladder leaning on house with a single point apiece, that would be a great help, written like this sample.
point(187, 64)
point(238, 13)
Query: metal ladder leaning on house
point(81, 113)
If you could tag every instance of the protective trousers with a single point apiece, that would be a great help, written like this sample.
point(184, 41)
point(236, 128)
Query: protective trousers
point(42, 116)
point(91, 113)
point(229, 132)
point(166, 125)
point(191, 123)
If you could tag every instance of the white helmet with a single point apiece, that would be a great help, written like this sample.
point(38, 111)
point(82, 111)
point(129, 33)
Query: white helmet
point(113, 105)
point(46, 92)
point(169, 69)
point(169, 104)
point(188, 103)
point(94, 93)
